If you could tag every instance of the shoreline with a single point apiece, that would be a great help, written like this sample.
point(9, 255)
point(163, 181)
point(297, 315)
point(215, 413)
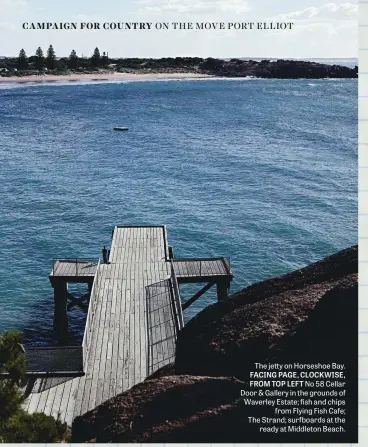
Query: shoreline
point(102, 77)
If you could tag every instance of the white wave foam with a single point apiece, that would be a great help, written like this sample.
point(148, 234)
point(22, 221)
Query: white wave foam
point(61, 83)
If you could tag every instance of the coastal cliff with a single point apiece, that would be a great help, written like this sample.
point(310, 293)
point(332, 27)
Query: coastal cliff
point(309, 315)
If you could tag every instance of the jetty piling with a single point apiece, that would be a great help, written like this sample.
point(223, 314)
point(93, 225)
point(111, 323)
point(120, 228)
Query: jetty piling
point(60, 311)
point(65, 271)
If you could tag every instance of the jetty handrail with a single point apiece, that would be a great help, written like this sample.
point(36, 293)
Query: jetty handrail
point(90, 314)
point(176, 298)
point(54, 360)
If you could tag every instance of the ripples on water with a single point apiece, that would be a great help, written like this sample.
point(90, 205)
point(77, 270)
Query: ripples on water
point(263, 171)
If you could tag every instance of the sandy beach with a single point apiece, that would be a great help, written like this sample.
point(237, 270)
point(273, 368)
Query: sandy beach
point(102, 77)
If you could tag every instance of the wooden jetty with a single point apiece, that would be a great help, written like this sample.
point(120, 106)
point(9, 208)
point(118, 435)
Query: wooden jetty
point(134, 316)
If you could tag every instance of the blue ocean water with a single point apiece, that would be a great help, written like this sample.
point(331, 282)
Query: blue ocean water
point(262, 171)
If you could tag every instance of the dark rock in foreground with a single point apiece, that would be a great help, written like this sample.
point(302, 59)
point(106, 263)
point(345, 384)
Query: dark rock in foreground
point(169, 409)
point(309, 315)
point(330, 332)
point(261, 322)
point(164, 371)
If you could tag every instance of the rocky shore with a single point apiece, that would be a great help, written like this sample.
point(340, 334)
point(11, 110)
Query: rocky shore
point(281, 69)
point(309, 315)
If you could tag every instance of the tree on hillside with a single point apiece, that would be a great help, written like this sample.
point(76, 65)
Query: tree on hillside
point(40, 59)
point(51, 58)
point(16, 425)
point(73, 60)
point(22, 62)
point(96, 58)
point(211, 64)
point(104, 59)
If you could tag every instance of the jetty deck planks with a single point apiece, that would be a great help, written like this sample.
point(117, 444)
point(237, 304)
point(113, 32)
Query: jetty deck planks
point(118, 346)
point(73, 267)
point(200, 268)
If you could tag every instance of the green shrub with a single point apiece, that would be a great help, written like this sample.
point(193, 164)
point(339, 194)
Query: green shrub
point(10, 399)
point(36, 427)
point(12, 357)
point(16, 425)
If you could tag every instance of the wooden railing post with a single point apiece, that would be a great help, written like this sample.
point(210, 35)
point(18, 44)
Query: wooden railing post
point(179, 321)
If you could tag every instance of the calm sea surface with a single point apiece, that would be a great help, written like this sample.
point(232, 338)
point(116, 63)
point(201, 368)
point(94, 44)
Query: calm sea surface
point(262, 171)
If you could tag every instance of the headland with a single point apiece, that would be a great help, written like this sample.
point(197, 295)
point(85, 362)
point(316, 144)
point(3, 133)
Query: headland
point(177, 68)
